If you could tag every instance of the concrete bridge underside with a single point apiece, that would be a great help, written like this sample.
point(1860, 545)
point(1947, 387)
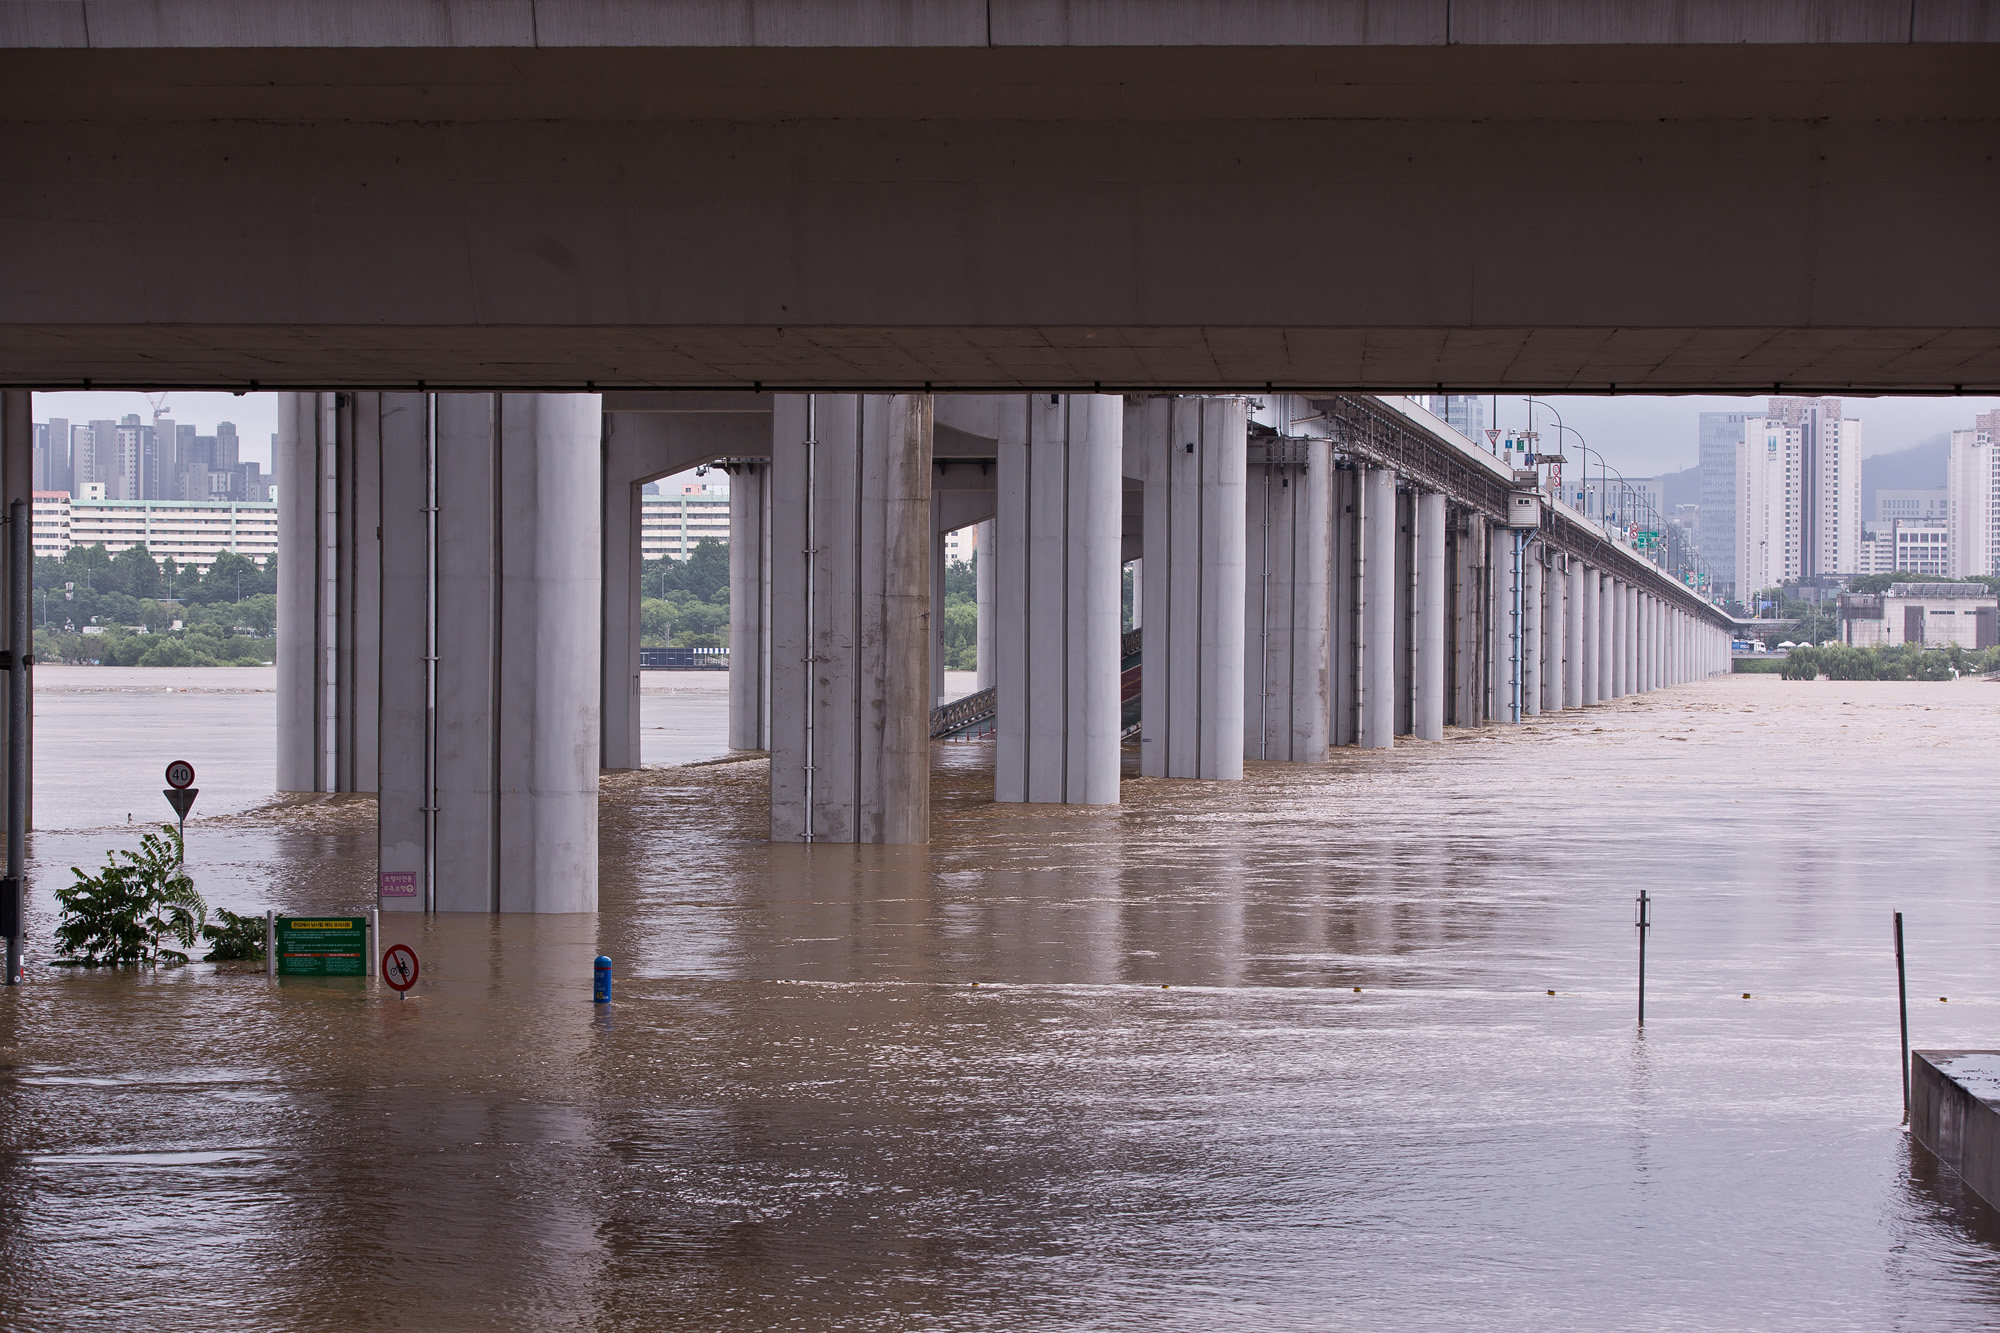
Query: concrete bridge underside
point(1067, 194)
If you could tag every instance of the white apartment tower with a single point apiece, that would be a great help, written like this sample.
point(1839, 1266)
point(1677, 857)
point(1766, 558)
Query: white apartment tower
point(1798, 494)
point(1972, 498)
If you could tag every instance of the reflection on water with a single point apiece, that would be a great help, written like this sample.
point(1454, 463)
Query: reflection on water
point(1163, 1104)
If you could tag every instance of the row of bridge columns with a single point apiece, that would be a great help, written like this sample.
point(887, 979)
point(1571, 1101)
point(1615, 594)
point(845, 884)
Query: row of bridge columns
point(458, 609)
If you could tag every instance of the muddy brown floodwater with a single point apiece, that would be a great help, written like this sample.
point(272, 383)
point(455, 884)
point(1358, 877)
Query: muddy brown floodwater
point(1079, 1068)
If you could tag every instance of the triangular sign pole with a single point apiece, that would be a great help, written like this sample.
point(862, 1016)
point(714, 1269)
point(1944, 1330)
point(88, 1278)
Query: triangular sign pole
point(182, 800)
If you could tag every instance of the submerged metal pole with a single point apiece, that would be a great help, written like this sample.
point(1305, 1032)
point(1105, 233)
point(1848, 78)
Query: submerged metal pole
point(1645, 924)
point(1903, 1008)
point(20, 571)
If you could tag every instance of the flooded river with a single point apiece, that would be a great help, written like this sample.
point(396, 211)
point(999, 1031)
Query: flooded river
point(1278, 1054)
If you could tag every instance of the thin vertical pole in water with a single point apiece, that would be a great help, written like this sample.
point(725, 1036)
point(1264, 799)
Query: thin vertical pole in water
point(1903, 1008)
point(20, 570)
point(1645, 923)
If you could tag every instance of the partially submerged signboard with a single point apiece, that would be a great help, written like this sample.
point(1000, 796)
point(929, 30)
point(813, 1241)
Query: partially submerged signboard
point(322, 946)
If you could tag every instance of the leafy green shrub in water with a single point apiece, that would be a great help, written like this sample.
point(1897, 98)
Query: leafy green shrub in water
point(129, 912)
point(233, 937)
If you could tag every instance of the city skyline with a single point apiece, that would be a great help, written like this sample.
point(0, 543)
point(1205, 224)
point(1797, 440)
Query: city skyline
point(1639, 435)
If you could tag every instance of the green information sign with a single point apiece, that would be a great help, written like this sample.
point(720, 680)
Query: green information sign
point(1647, 540)
point(322, 946)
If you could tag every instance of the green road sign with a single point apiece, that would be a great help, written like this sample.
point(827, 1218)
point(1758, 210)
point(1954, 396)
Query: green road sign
point(1645, 541)
point(322, 946)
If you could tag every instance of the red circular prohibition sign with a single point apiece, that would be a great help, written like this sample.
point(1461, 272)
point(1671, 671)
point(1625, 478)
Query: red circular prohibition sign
point(399, 966)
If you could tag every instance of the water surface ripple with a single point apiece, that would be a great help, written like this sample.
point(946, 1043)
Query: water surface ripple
point(1164, 1104)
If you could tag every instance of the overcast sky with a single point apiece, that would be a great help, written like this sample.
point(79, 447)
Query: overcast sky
point(1640, 436)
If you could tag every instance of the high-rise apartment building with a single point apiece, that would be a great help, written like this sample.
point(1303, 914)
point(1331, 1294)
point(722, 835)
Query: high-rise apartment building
point(1463, 412)
point(1798, 494)
point(1972, 497)
point(1715, 524)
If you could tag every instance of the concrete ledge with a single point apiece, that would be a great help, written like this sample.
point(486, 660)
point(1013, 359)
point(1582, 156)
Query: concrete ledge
point(1955, 1112)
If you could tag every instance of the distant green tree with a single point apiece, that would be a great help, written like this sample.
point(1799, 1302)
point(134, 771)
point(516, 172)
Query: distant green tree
point(138, 574)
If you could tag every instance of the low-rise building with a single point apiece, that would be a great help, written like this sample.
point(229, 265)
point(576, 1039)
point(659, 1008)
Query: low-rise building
point(673, 525)
point(1935, 615)
point(191, 532)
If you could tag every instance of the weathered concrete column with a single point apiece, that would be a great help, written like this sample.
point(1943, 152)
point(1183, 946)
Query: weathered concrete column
point(1593, 636)
point(1575, 664)
point(1531, 632)
point(1192, 630)
point(1345, 669)
point(850, 637)
point(982, 584)
point(1631, 609)
point(750, 563)
point(1288, 606)
point(1428, 668)
point(1504, 627)
point(1467, 547)
point(1378, 609)
point(1057, 591)
point(489, 769)
point(328, 467)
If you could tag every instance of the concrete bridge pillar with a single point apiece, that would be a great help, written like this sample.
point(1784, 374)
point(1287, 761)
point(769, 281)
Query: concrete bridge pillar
point(1057, 593)
point(1288, 607)
point(982, 584)
point(1345, 671)
point(1377, 695)
point(1192, 629)
point(490, 754)
point(1467, 546)
point(1574, 633)
point(1504, 634)
point(1428, 665)
point(1633, 609)
point(850, 483)
point(1593, 635)
point(1555, 635)
point(750, 563)
point(1617, 619)
point(1531, 631)
point(1607, 653)
point(328, 468)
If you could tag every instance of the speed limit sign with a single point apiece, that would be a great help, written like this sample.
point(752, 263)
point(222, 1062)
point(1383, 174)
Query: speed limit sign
point(180, 774)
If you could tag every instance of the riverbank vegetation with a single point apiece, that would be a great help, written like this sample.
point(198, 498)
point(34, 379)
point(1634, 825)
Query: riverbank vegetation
point(1906, 661)
point(132, 610)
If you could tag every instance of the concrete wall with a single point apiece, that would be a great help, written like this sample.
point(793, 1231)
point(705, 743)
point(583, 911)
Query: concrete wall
point(1962, 1129)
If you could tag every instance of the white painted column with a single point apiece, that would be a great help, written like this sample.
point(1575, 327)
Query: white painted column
point(1429, 666)
point(1378, 609)
point(518, 603)
point(850, 638)
point(1288, 606)
point(1192, 631)
point(982, 585)
point(750, 561)
point(1531, 632)
point(1057, 593)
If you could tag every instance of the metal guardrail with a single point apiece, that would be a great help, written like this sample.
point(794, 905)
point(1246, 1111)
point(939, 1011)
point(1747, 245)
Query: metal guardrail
point(683, 659)
point(961, 718)
point(976, 714)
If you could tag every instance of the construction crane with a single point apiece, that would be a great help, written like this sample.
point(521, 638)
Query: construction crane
point(159, 402)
